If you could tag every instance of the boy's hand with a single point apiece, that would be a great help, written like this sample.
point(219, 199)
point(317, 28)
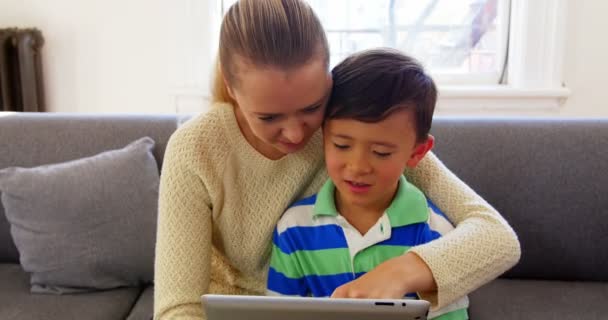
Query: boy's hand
point(391, 280)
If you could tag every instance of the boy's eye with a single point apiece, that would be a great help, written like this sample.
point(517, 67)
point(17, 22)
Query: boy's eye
point(341, 146)
point(311, 109)
point(382, 154)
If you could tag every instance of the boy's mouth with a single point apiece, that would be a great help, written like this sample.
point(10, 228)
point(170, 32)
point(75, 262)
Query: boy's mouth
point(357, 187)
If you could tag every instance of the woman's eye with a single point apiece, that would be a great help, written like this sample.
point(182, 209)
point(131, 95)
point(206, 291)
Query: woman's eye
point(311, 109)
point(268, 118)
point(341, 146)
point(382, 154)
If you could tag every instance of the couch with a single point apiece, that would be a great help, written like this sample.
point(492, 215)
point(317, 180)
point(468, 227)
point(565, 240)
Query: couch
point(548, 177)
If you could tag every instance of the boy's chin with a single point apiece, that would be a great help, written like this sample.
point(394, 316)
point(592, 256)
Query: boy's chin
point(356, 199)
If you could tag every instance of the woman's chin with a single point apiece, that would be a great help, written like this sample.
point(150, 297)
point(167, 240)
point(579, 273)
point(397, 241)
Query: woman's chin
point(287, 148)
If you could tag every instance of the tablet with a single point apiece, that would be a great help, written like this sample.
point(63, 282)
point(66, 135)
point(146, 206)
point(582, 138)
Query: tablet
point(233, 307)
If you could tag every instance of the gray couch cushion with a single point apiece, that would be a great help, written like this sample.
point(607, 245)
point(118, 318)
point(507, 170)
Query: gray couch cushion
point(539, 300)
point(88, 223)
point(144, 307)
point(17, 303)
point(33, 139)
point(548, 179)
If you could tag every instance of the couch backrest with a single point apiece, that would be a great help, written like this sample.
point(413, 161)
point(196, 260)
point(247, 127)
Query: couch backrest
point(548, 178)
point(32, 139)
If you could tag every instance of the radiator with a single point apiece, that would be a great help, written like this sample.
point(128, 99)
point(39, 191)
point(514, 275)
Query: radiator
point(21, 86)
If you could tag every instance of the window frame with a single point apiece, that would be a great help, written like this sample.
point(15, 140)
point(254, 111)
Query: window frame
point(534, 77)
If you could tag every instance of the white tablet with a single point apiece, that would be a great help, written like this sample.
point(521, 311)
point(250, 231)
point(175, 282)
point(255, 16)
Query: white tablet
point(232, 307)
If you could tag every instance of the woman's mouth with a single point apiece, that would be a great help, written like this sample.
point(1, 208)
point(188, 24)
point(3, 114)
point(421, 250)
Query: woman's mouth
point(292, 147)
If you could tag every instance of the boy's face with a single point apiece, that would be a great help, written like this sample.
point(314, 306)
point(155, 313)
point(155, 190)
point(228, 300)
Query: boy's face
point(366, 160)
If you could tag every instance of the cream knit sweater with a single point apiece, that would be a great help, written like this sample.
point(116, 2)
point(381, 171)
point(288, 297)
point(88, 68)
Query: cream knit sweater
point(220, 200)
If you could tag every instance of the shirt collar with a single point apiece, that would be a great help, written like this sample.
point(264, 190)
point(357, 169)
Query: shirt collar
point(408, 207)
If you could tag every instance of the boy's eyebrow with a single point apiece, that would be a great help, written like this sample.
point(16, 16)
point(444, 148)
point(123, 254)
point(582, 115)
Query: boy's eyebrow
point(343, 136)
point(301, 109)
point(380, 143)
point(384, 144)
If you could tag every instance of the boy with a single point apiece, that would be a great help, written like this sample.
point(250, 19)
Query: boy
point(377, 124)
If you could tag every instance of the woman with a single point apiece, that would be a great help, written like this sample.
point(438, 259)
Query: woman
point(229, 174)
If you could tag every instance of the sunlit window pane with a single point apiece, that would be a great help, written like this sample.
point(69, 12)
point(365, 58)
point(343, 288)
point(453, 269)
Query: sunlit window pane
point(464, 40)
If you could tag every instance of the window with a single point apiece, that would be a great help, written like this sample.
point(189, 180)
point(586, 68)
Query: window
point(484, 54)
point(459, 41)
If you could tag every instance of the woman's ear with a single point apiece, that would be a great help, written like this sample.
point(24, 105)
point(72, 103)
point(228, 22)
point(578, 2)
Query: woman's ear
point(420, 151)
point(229, 89)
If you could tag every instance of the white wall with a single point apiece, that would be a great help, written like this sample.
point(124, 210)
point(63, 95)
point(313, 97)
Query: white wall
point(114, 56)
point(586, 60)
point(99, 56)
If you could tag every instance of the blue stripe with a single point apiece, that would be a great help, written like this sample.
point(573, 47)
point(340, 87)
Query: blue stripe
point(279, 283)
point(316, 286)
point(305, 202)
point(310, 238)
point(427, 234)
point(436, 209)
point(411, 235)
point(324, 286)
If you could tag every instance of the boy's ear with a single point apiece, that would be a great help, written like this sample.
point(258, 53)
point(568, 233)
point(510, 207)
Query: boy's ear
point(420, 151)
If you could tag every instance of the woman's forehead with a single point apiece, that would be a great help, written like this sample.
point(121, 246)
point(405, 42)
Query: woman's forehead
point(272, 90)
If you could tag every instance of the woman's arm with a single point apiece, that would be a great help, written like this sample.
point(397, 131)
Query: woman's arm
point(183, 244)
point(479, 249)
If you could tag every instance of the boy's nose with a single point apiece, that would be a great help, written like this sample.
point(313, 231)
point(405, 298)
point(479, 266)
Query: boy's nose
point(360, 165)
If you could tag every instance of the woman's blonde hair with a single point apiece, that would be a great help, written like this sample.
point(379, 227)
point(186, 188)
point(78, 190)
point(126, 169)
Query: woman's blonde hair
point(267, 33)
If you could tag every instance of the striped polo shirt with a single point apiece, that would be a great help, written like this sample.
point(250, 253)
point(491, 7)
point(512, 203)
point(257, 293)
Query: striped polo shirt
point(315, 250)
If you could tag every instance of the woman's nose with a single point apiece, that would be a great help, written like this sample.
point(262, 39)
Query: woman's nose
point(294, 132)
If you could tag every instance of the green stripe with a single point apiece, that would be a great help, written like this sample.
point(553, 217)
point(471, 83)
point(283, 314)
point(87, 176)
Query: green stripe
point(409, 205)
point(371, 257)
point(311, 262)
point(460, 314)
point(285, 263)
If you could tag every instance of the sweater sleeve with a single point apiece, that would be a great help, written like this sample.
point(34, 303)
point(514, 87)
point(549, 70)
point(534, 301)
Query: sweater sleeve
point(183, 244)
point(479, 249)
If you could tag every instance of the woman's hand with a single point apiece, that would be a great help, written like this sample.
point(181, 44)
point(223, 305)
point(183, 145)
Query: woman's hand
point(391, 279)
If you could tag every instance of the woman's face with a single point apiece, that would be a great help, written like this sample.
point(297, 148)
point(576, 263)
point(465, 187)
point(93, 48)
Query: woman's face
point(279, 110)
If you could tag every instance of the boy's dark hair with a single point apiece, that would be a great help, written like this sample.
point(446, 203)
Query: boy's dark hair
point(372, 84)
